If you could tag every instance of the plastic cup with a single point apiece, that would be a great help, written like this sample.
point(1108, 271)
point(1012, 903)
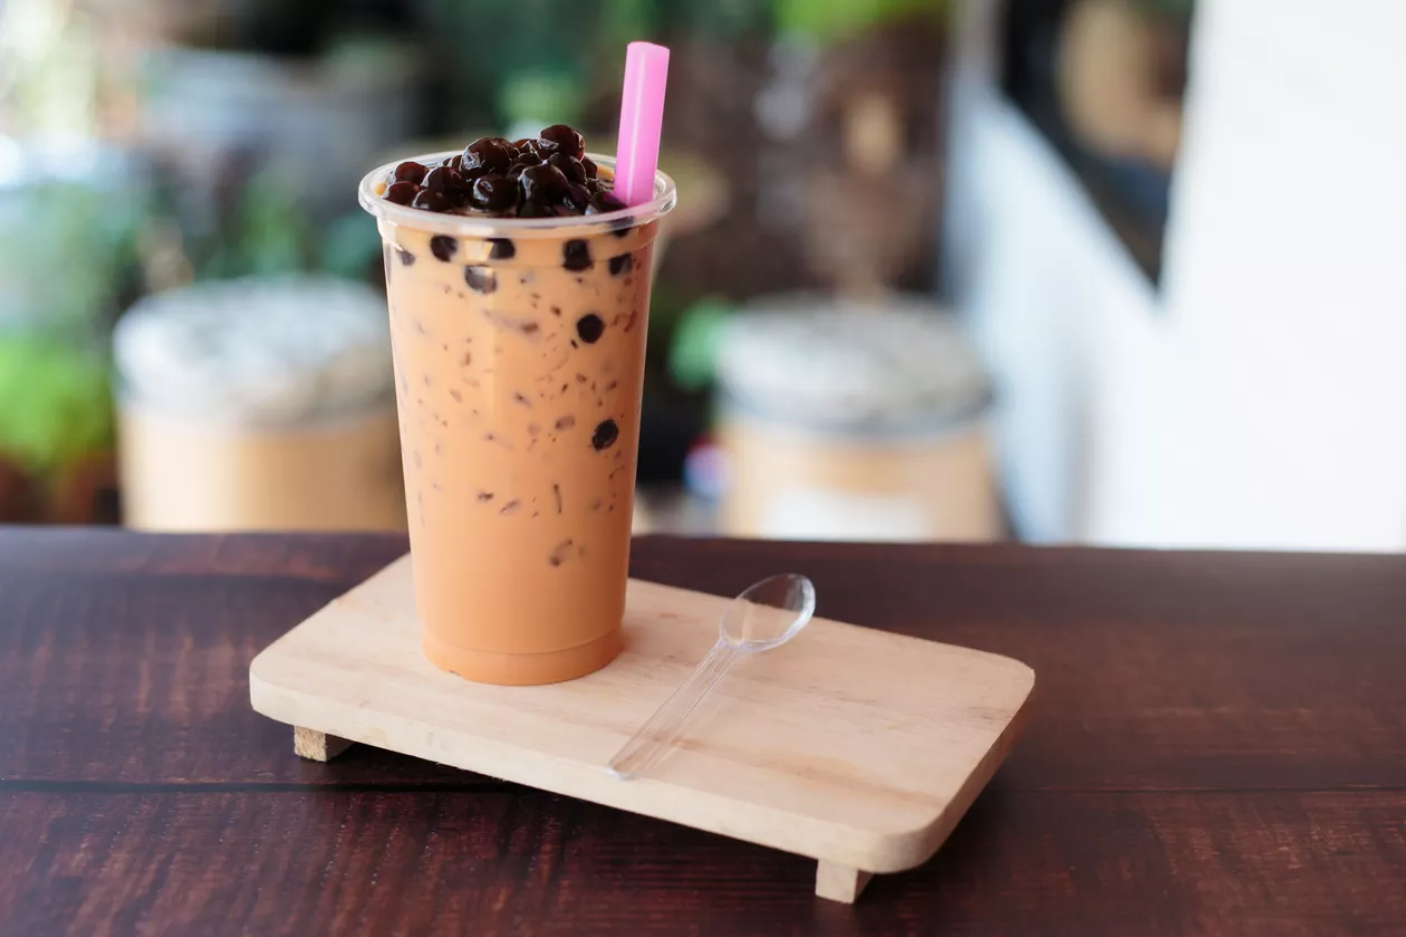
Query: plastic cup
point(519, 350)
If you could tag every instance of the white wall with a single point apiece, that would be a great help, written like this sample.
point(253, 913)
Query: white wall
point(1256, 401)
point(1286, 275)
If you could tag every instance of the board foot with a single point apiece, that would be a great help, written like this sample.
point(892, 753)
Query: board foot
point(839, 882)
point(317, 746)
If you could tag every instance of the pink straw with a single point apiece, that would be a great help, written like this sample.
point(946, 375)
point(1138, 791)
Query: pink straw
point(641, 121)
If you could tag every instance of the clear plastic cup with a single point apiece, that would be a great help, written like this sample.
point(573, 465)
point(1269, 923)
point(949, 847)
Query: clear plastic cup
point(519, 351)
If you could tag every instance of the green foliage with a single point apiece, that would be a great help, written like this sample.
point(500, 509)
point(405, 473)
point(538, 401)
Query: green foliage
point(827, 20)
point(623, 21)
point(484, 40)
point(693, 352)
point(721, 20)
point(65, 250)
point(267, 234)
point(349, 246)
point(541, 96)
point(57, 402)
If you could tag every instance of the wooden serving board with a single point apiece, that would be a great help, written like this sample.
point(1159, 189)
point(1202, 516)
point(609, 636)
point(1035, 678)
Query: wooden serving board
point(855, 747)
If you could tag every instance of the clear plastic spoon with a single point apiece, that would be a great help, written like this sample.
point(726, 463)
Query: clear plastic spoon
point(766, 615)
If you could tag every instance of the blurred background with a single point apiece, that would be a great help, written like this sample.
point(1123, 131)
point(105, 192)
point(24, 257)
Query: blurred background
point(1092, 271)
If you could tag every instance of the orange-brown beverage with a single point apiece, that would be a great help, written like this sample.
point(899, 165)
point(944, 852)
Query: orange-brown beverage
point(519, 358)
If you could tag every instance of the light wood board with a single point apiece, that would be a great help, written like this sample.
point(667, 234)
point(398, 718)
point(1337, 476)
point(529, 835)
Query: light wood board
point(855, 747)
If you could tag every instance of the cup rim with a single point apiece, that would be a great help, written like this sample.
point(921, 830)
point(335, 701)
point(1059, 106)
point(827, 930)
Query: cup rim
point(665, 197)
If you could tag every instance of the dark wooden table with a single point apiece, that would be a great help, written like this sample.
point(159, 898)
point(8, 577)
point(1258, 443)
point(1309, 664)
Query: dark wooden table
point(1217, 746)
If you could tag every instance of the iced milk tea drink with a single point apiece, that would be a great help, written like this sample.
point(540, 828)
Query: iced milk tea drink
point(518, 292)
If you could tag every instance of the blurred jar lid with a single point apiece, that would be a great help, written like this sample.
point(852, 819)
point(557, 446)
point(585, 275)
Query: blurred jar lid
point(891, 364)
point(273, 350)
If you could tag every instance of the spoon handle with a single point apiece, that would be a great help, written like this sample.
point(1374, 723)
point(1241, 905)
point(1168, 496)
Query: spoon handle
point(663, 729)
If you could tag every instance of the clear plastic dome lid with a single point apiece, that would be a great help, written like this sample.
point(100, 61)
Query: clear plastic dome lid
point(263, 350)
point(890, 365)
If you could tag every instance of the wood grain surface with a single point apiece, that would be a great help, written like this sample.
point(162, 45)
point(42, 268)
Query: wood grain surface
point(857, 747)
point(1218, 746)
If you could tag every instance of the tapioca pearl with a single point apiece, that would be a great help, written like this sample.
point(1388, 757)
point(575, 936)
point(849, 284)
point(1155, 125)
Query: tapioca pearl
point(544, 186)
point(605, 435)
point(402, 193)
point(576, 255)
point(430, 200)
point(438, 179)
point(494, 154)
point(410, 171)
point(575, 173)
point(578, 198)
point(621, 264)
point(406, 258)
point(495, 194)
point(603, 200)
point(502, 249)
point(566, 139)
point(444, 247)
point(590, 327)
point(481, 279)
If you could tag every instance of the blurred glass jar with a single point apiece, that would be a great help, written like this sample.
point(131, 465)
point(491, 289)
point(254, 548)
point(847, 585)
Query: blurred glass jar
point(258, 404)
point(853, 420)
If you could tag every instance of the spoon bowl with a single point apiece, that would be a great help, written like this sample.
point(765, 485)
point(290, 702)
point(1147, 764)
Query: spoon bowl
point(767, 614)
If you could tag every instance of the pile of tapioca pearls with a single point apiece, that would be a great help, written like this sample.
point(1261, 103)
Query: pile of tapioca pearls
point(530, 178)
